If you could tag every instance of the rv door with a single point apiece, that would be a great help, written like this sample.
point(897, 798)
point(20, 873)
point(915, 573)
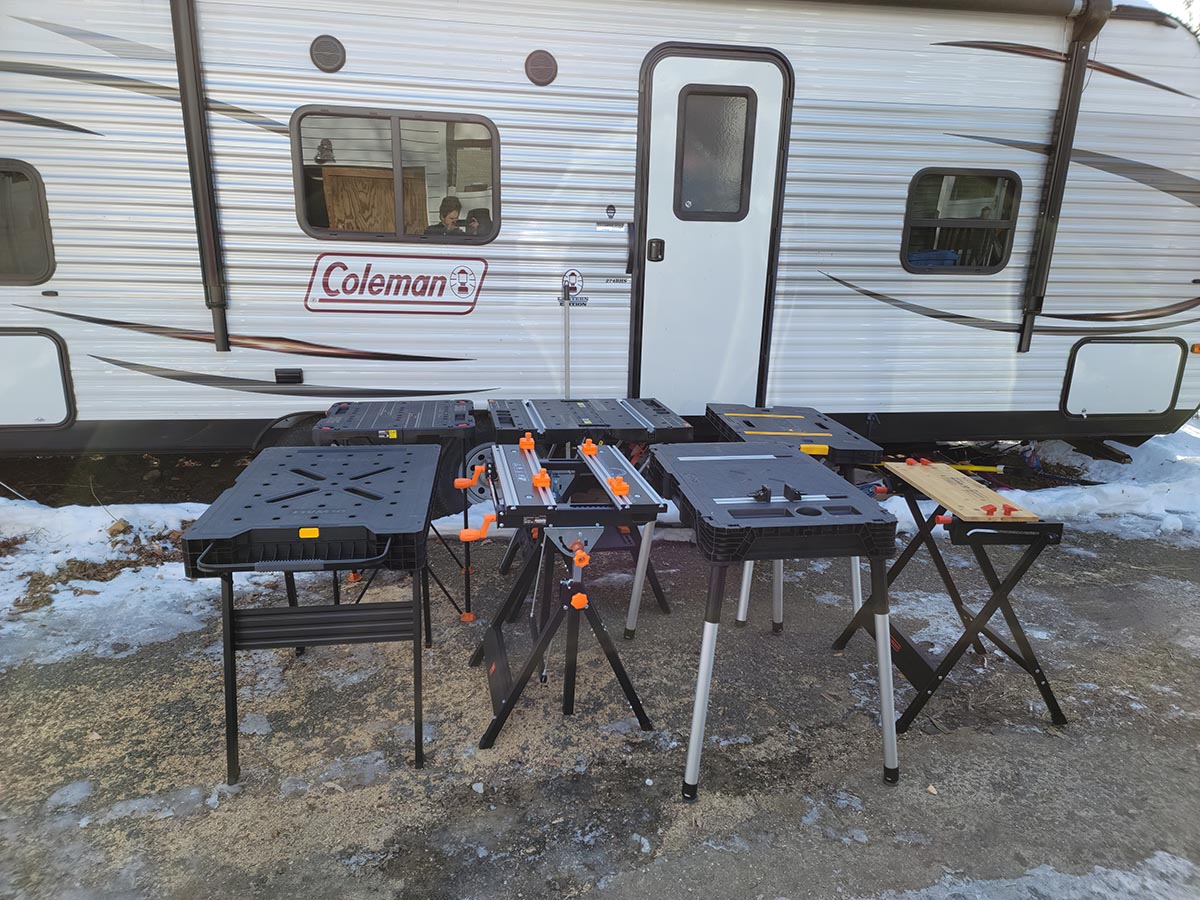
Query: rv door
point(713, 127)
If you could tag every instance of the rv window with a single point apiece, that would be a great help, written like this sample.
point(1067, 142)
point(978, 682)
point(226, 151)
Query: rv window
point(960, 221)
point(714, 152)
point(389, 176)
point(26, 252)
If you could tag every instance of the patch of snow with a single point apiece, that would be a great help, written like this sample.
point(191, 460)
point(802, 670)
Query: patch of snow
point(69, 795)
point(174, 804)
point(1162, 876)
point(255, 723)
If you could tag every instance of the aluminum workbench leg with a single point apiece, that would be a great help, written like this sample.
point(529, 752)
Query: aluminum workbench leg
point(856, 583)
point(639, 580)
point(743, 610)
point(883, 660)
point(708, 651)
point(777, 597)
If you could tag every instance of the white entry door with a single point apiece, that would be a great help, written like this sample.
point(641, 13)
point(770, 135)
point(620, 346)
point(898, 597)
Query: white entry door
point(713, 144)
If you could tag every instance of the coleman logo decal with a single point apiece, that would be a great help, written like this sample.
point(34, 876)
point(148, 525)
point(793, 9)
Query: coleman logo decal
point(367, 282)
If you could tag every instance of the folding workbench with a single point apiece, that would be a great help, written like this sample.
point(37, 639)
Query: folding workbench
point(772, 501)
point(317, 509)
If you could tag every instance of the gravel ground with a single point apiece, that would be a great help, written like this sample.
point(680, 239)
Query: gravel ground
point(111, 784)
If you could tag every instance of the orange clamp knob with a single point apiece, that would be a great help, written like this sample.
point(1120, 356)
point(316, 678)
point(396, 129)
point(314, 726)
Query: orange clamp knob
point(461, 484)
point(989, 509)
point(467, 535)
point(541, 479)
point(618, 485)
point(943, 520)
point(354, 577)
point(588, 447)
point(579, 601)
point(526, 443)
point(910, 462)
point(466, 617)
point(926, 462)
point(1009, 509)
point(880, 490)
point(581, 558)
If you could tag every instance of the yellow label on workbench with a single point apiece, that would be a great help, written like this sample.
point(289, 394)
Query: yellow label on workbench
point(392, 433)
point(310, 532)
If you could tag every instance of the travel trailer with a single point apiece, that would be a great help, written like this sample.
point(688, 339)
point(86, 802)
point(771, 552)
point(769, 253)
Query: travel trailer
point(940, 219)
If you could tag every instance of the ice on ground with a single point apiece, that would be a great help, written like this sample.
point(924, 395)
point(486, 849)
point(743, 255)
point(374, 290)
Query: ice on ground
point(1162, 876)
point(175, 804)
point(69, 795)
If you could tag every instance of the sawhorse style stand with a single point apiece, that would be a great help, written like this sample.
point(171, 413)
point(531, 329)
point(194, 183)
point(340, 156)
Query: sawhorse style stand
point(291, 511)
point(980, 518)
point(773, 502)
point(573, 508)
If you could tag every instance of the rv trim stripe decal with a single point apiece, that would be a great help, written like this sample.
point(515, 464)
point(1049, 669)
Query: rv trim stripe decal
point(1176, 184)
point(252, 341)
point(137, 86)
point(1013, 327)
point(9, 115)
point(252, 386)
point(119, 47)
point(1058, 56)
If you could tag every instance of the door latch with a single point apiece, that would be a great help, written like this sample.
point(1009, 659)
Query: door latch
point(654, 249)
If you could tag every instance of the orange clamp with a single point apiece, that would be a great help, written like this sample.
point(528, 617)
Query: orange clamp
point(541, 479)
point(1009, 509)
point(461, 484)
point(466, 617)
point(926, 462)
point(989, 509)
point(943, 520)
point(526, 443)
point(467, 535)
point(354, 577)
point(880, 490)
point(588, 447)
point(582, 559)
point(910, 462)
point(579, 601)
point(618, 485)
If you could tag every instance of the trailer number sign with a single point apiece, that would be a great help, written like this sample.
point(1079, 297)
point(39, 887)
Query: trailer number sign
point(369, 282)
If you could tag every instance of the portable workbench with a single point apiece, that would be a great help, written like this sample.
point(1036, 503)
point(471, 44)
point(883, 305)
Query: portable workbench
point(317, 509)
point(978, 518)
point(772, 501)
point(552, 422)
point(570, 507)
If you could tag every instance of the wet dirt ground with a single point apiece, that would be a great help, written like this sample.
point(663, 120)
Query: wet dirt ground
point(110, 780)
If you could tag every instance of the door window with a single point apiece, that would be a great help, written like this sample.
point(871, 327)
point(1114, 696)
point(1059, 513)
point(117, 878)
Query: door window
point(714, 152)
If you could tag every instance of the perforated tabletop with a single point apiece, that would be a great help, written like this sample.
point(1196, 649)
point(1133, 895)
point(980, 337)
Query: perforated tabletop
point(768, 501)
point(560, 421)
point(296, 508)
point(395, 422)
point(800, 426)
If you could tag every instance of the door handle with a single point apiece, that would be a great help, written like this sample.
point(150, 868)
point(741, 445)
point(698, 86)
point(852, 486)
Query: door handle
point(654, 249)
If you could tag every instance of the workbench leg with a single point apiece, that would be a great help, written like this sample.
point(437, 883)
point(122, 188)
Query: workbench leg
point(467, 615)
point(572, 661)
point(856, 583)
point(883, 661)
point(289, 584)
point(233, 769)
point(639, 580)
point(614, 660)
point(418, 721)
point(743, 610)
point(708, 651)
point(777, 597)
point(427, 606)
point(510, 552)
point(513, 603)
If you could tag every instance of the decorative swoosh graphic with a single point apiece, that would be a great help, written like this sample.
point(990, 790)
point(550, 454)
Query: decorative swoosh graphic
point(1157, 312)
point(251, 341)
point(992, 324)
point(106, 42)
point(137, 86)
point(9, 115)
point(1178, 185)
point(1057, 56)
point(252, 386)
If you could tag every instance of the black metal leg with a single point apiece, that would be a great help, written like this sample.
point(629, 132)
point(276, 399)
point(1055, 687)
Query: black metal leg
point(418, 722)
point(289, 583)
point(337, 589)
point(610, 651)
point(571, 660)
point(233, 769)
point(513, 602)
point(466, 524)
point(926, 535)
point(510, 552)
point(426, 604)
point(531, 665)
point(539, 613)
point(656, 587)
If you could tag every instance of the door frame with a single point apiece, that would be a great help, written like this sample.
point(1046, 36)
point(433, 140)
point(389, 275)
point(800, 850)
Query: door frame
point(641, 182)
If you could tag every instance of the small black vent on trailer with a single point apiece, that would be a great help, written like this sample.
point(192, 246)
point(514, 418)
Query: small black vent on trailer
point(541, 67)
point(327, 53)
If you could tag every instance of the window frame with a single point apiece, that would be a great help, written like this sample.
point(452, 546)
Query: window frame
point(35, 177)
point(911, 221)
point(716, 90)
point(394, 116)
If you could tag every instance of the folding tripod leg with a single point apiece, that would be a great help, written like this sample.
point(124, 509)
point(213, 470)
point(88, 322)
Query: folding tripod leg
point(639, 580)
point(572, 660)
point(426, 606)
point(510, 552)
point(512, 603)
point(531, 665)
point(614, 660)
point(708, 652)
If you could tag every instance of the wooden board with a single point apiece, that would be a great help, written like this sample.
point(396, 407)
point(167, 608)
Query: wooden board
point(959, 493)
point(360, 198)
